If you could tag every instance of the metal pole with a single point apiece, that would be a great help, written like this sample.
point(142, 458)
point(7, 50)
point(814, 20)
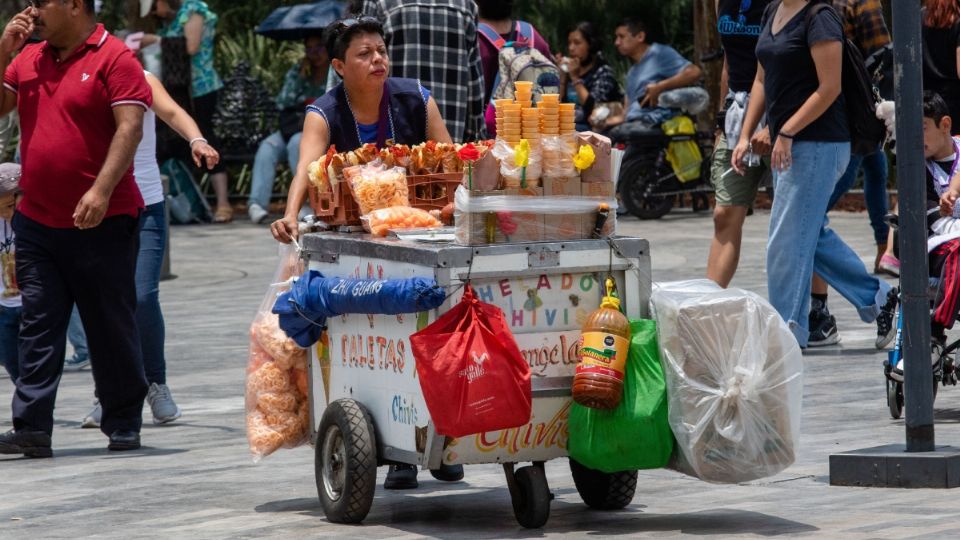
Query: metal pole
point(918, 381)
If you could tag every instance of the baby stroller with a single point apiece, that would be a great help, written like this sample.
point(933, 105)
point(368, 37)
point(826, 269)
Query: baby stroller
point(943, 355)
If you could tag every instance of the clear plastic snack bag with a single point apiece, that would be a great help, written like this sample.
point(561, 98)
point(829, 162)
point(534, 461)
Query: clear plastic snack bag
point(277, 406)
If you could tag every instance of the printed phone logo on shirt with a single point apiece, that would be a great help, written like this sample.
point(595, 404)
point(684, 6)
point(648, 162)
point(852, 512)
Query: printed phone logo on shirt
point(84, 77)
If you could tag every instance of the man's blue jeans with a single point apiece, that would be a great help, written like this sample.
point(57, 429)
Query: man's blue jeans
point(874, 189)
point(9, 335)
point(153, 241)
point(269, 153)
point(800, 241)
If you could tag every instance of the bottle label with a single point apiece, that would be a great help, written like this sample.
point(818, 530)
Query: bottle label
point(603, 354)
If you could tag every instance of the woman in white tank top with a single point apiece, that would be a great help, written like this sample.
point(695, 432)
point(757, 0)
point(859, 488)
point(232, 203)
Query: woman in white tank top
point(153, 240)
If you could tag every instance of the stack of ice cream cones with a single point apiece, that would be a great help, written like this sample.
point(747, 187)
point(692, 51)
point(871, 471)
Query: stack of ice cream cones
point(567, 122)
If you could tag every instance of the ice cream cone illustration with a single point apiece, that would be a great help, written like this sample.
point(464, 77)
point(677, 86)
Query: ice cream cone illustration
point(323, 358)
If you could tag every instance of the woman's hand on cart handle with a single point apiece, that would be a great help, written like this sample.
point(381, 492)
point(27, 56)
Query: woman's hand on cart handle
point(285, 229)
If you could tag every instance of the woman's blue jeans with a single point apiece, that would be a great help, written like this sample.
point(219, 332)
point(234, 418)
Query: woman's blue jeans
point(153, 241)
point(801, 242)
point(875, 172)
point(269, 154)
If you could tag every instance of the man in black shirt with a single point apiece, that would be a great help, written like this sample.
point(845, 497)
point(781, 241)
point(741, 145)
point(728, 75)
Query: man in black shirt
point(738, 23)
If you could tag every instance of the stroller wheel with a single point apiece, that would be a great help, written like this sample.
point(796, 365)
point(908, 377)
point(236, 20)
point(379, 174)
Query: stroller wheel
point(895, 398)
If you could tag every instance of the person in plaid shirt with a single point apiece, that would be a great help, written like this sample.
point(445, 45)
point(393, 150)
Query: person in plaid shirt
point(863, 24)
point(436, 41)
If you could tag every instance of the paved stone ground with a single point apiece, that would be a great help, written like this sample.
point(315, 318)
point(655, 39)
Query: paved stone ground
point(195, 479)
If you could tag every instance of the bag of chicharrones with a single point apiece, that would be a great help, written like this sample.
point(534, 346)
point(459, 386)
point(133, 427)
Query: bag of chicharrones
point(734, 381)
point(276, 398)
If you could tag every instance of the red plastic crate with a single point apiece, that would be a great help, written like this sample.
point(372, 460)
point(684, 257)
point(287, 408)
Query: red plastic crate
point(433, 191)
point(335, 209)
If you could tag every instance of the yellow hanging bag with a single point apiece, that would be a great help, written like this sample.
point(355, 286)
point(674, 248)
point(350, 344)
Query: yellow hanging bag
point(684, 156)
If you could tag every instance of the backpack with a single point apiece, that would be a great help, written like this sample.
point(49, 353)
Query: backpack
point(867, 132)
point(187, 204)
point(880, 66)
point(521, 63)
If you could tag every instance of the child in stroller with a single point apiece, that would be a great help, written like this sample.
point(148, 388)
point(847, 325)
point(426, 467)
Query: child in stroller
point(941, 151)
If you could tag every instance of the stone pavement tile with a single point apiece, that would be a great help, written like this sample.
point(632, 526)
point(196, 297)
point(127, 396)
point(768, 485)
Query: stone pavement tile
point(195, 479)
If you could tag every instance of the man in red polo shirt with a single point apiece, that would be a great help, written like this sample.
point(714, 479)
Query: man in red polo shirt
point(81, 96)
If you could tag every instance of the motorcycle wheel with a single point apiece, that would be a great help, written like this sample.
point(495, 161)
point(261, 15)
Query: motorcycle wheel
point(635, 177)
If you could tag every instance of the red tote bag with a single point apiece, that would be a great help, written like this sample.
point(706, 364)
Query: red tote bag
point(472, 374)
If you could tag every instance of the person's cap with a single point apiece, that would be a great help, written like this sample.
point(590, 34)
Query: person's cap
point(9, 178)
point(145, 6)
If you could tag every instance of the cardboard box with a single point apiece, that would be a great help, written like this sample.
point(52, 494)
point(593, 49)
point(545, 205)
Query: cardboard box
point(529, 225)
point(486, 173)
point(474, 228)
point(600, 171)
point(471, 227)
point(563, 226)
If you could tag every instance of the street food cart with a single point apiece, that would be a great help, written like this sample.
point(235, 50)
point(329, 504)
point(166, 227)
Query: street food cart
point(366, 405)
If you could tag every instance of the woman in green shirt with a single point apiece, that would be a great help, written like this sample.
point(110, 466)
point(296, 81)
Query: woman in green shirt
point(194, 21)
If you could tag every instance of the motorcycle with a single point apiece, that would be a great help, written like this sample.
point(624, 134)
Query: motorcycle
point(648, 187)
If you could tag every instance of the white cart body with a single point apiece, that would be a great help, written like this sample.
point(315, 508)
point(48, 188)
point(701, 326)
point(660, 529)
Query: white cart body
point(545, 290)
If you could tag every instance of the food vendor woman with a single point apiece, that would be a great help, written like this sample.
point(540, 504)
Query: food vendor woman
point(367, 107)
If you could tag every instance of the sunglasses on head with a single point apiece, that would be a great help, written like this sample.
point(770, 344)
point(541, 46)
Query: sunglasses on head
point(348, 23)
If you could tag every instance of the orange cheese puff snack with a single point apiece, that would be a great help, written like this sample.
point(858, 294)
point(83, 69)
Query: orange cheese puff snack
point(274, 340)
point(288, 425)
point(258, 357)
point(400, 217)
point(263, 439)
point(374, 189)
point(301, 381)
point(269, 378)
point(303, 413)
point(277, 403)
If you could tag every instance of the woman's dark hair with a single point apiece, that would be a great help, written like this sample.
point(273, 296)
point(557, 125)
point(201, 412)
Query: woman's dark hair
point(934, 107)
point(495, 10)
point(942, 13)
point(173, 4)
point(594, 41)
point(341, 33)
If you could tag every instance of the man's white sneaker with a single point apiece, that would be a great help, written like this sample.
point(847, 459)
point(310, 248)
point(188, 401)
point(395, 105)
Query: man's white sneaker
point(92, 419)
point(257, 213)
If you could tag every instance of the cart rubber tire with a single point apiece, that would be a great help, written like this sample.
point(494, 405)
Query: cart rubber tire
point(531, 506)
point(603, 491)
point(347, 448)
point(895, 398)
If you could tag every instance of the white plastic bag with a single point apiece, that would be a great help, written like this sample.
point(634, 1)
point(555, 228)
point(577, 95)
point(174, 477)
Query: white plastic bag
point(734, 381)
point(277, 405)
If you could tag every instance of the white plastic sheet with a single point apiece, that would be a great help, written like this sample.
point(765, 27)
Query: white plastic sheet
point(734, 381)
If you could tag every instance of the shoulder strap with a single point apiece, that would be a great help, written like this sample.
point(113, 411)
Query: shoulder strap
point(491, 35)
point(525, 29)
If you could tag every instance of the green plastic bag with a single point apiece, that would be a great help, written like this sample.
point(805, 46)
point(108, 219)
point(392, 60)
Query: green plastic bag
point(635, 435)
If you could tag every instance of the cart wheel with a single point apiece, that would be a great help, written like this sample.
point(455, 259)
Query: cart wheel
point(895, 398)
point(531, 504)
point(346, 462)
point(603, 491)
